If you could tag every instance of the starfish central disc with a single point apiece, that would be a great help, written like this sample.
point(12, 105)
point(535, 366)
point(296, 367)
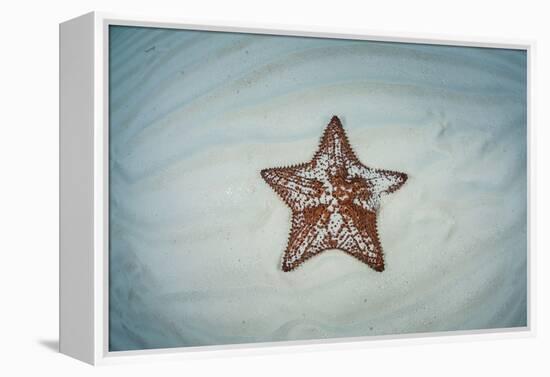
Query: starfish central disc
point(334, 199)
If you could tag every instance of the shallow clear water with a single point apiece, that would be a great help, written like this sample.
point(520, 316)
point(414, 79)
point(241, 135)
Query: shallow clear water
point(196, 236)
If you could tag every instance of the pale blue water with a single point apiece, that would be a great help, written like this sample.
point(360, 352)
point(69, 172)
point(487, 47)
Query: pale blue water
point(196, 236)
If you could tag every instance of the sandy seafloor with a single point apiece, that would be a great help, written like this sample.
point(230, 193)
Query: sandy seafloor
point(196, 236)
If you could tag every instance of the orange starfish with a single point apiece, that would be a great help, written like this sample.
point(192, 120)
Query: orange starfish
point(334, 199)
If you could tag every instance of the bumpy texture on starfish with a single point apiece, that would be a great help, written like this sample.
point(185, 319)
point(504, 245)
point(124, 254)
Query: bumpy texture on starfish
point(334, 199)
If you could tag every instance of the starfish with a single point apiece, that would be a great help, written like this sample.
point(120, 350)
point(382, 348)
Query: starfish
point(334, 200)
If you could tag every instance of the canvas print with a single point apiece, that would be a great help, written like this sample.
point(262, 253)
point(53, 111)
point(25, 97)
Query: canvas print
point(267, 188)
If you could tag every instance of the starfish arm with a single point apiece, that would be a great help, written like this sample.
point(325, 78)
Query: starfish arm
point(297, 191)
point(359, 238)
point(379, 182)
point(388, 181)
point(308, 237)
point(334, 148)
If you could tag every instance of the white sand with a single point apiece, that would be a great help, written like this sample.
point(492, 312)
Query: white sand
point(197, 235)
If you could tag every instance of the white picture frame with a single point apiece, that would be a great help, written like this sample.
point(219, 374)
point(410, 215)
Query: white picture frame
point(84, 190)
